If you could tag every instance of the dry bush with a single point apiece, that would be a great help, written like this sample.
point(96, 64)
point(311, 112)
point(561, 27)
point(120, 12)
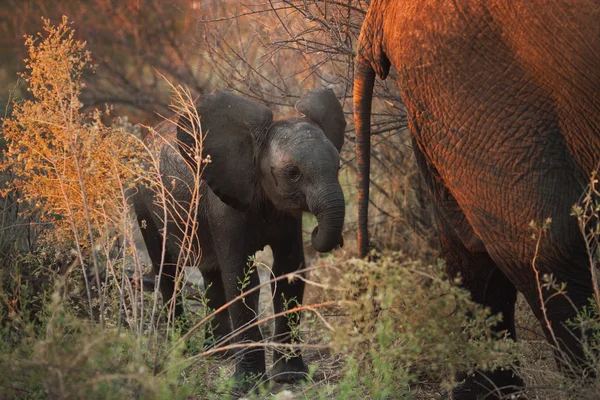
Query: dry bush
point(79, 173)
point(68, 165)
point(75, 172)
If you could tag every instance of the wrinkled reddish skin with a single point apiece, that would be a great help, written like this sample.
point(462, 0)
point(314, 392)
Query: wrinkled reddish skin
point(503, 99)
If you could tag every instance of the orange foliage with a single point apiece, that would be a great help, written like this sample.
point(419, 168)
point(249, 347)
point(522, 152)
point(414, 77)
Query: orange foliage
point(68, 164)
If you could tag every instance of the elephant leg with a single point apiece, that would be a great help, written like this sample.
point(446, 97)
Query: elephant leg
point(220, 326)
point(568, 340)
point(250, 367)
point(167, 285)
point(467, 256)
point(489, 287)
point(288, 255)
point(154, 244)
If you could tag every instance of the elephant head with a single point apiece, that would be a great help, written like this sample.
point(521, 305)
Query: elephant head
point(291, 164)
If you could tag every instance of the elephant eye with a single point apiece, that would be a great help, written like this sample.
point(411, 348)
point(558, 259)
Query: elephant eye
point(292, 172)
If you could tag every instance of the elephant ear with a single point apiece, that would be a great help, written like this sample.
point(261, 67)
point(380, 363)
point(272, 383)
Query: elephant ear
point(230, 126)
point(322, 107)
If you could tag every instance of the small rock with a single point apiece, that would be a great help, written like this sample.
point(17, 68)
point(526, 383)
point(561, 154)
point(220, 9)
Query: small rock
point(285, 395)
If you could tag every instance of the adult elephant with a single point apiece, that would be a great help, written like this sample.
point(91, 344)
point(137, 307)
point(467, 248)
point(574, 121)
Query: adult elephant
point(262, 175)
point(503, 100)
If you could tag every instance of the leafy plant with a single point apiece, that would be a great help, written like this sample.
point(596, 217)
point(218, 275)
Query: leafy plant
point(408, 322)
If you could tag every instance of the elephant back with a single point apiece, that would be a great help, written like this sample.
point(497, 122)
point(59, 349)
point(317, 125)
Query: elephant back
point(176, 175)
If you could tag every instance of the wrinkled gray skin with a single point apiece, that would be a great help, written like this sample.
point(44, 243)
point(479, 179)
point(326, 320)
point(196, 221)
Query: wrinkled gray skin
point(263, 174)
point(503, 100)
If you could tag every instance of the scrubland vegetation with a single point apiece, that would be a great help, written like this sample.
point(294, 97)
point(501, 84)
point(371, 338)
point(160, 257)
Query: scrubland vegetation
point(79, 313)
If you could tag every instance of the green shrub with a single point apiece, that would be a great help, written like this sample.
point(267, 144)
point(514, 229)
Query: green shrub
point(409, 322)
point(66, 358)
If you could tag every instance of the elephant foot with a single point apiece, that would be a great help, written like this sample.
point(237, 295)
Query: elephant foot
point(247, 381)
point(496, 385)
point(250, 370)
point(288, 370)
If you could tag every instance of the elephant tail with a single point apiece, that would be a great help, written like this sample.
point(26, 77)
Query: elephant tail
point(364, 79)
point(371, 60)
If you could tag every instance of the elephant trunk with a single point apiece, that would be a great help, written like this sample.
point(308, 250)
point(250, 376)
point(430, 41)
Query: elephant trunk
point(364, 79)
point(328, 205)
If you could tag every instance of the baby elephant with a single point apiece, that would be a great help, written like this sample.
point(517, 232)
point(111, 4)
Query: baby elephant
point(261, 176)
